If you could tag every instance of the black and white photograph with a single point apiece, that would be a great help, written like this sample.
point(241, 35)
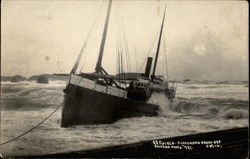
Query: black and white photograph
point(124, 79)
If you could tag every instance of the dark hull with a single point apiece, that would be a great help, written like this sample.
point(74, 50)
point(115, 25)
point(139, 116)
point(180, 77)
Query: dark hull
point(86, 106)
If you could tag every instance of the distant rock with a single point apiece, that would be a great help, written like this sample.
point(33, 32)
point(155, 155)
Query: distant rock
point(17, 78)
point(49, 77)
point(186, 80)
point(6, 78)
point(245, 82)
point(42, 79)
point(232, 82)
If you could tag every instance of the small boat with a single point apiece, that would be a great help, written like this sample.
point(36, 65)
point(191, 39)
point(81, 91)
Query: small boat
point(98, 97)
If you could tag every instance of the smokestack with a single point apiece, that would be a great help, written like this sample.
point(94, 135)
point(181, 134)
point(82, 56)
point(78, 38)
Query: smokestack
point(148, 66)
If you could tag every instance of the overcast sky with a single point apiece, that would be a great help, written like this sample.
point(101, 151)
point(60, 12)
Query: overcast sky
point(205, 40)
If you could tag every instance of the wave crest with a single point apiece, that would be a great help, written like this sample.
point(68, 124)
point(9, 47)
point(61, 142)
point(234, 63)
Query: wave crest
point(235, 114)
point(206, 107)
point(180, 105)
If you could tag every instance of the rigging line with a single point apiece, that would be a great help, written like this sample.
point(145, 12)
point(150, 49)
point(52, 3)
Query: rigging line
point(121, 53)
point(118, 41)
point(15, 138)
point(85, 42)
point(125, 45)
point(118, 44)
point(126, 49)
point(73, 69)
point(40, 123)
point(121, 59)
point(126, 42)
point(126, 55)
point(116, 51)
point(121, 46)
point(119, 65)
point(165, 49)
point(149, 52)
point(118, 59)
point(135, 58)
point(122, 67)
point(120, 50)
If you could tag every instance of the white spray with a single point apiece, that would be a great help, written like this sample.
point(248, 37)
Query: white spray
point(163, 102)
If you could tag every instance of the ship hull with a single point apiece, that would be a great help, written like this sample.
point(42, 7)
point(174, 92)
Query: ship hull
point(87, 106)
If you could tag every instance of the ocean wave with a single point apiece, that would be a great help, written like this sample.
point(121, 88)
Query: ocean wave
point(26, 104)
point(200, 107)
point(203, 87)
point(8, 89)
point(235, 114)
point(31, 97)
point(179, 105)
point(195, 105)
point(28, 92)
point(14, 83)
point(193, 87)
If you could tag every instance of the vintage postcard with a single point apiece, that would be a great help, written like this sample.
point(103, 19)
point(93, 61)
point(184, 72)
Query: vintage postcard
point(122, 78)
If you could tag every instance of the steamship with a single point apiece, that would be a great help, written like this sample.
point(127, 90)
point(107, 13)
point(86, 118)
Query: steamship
point(98, 97)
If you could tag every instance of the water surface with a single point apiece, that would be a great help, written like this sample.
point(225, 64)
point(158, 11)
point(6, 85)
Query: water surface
point(197, 108)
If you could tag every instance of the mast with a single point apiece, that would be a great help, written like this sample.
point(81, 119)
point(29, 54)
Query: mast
point(158, 46)
point(98, 67)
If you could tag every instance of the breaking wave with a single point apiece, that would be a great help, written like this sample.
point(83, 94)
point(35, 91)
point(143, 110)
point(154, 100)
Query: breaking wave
point(203, 107)
point(179, 105)
point(162, 101)
point(207, 87)
point(235, 114)
point(31, 95)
